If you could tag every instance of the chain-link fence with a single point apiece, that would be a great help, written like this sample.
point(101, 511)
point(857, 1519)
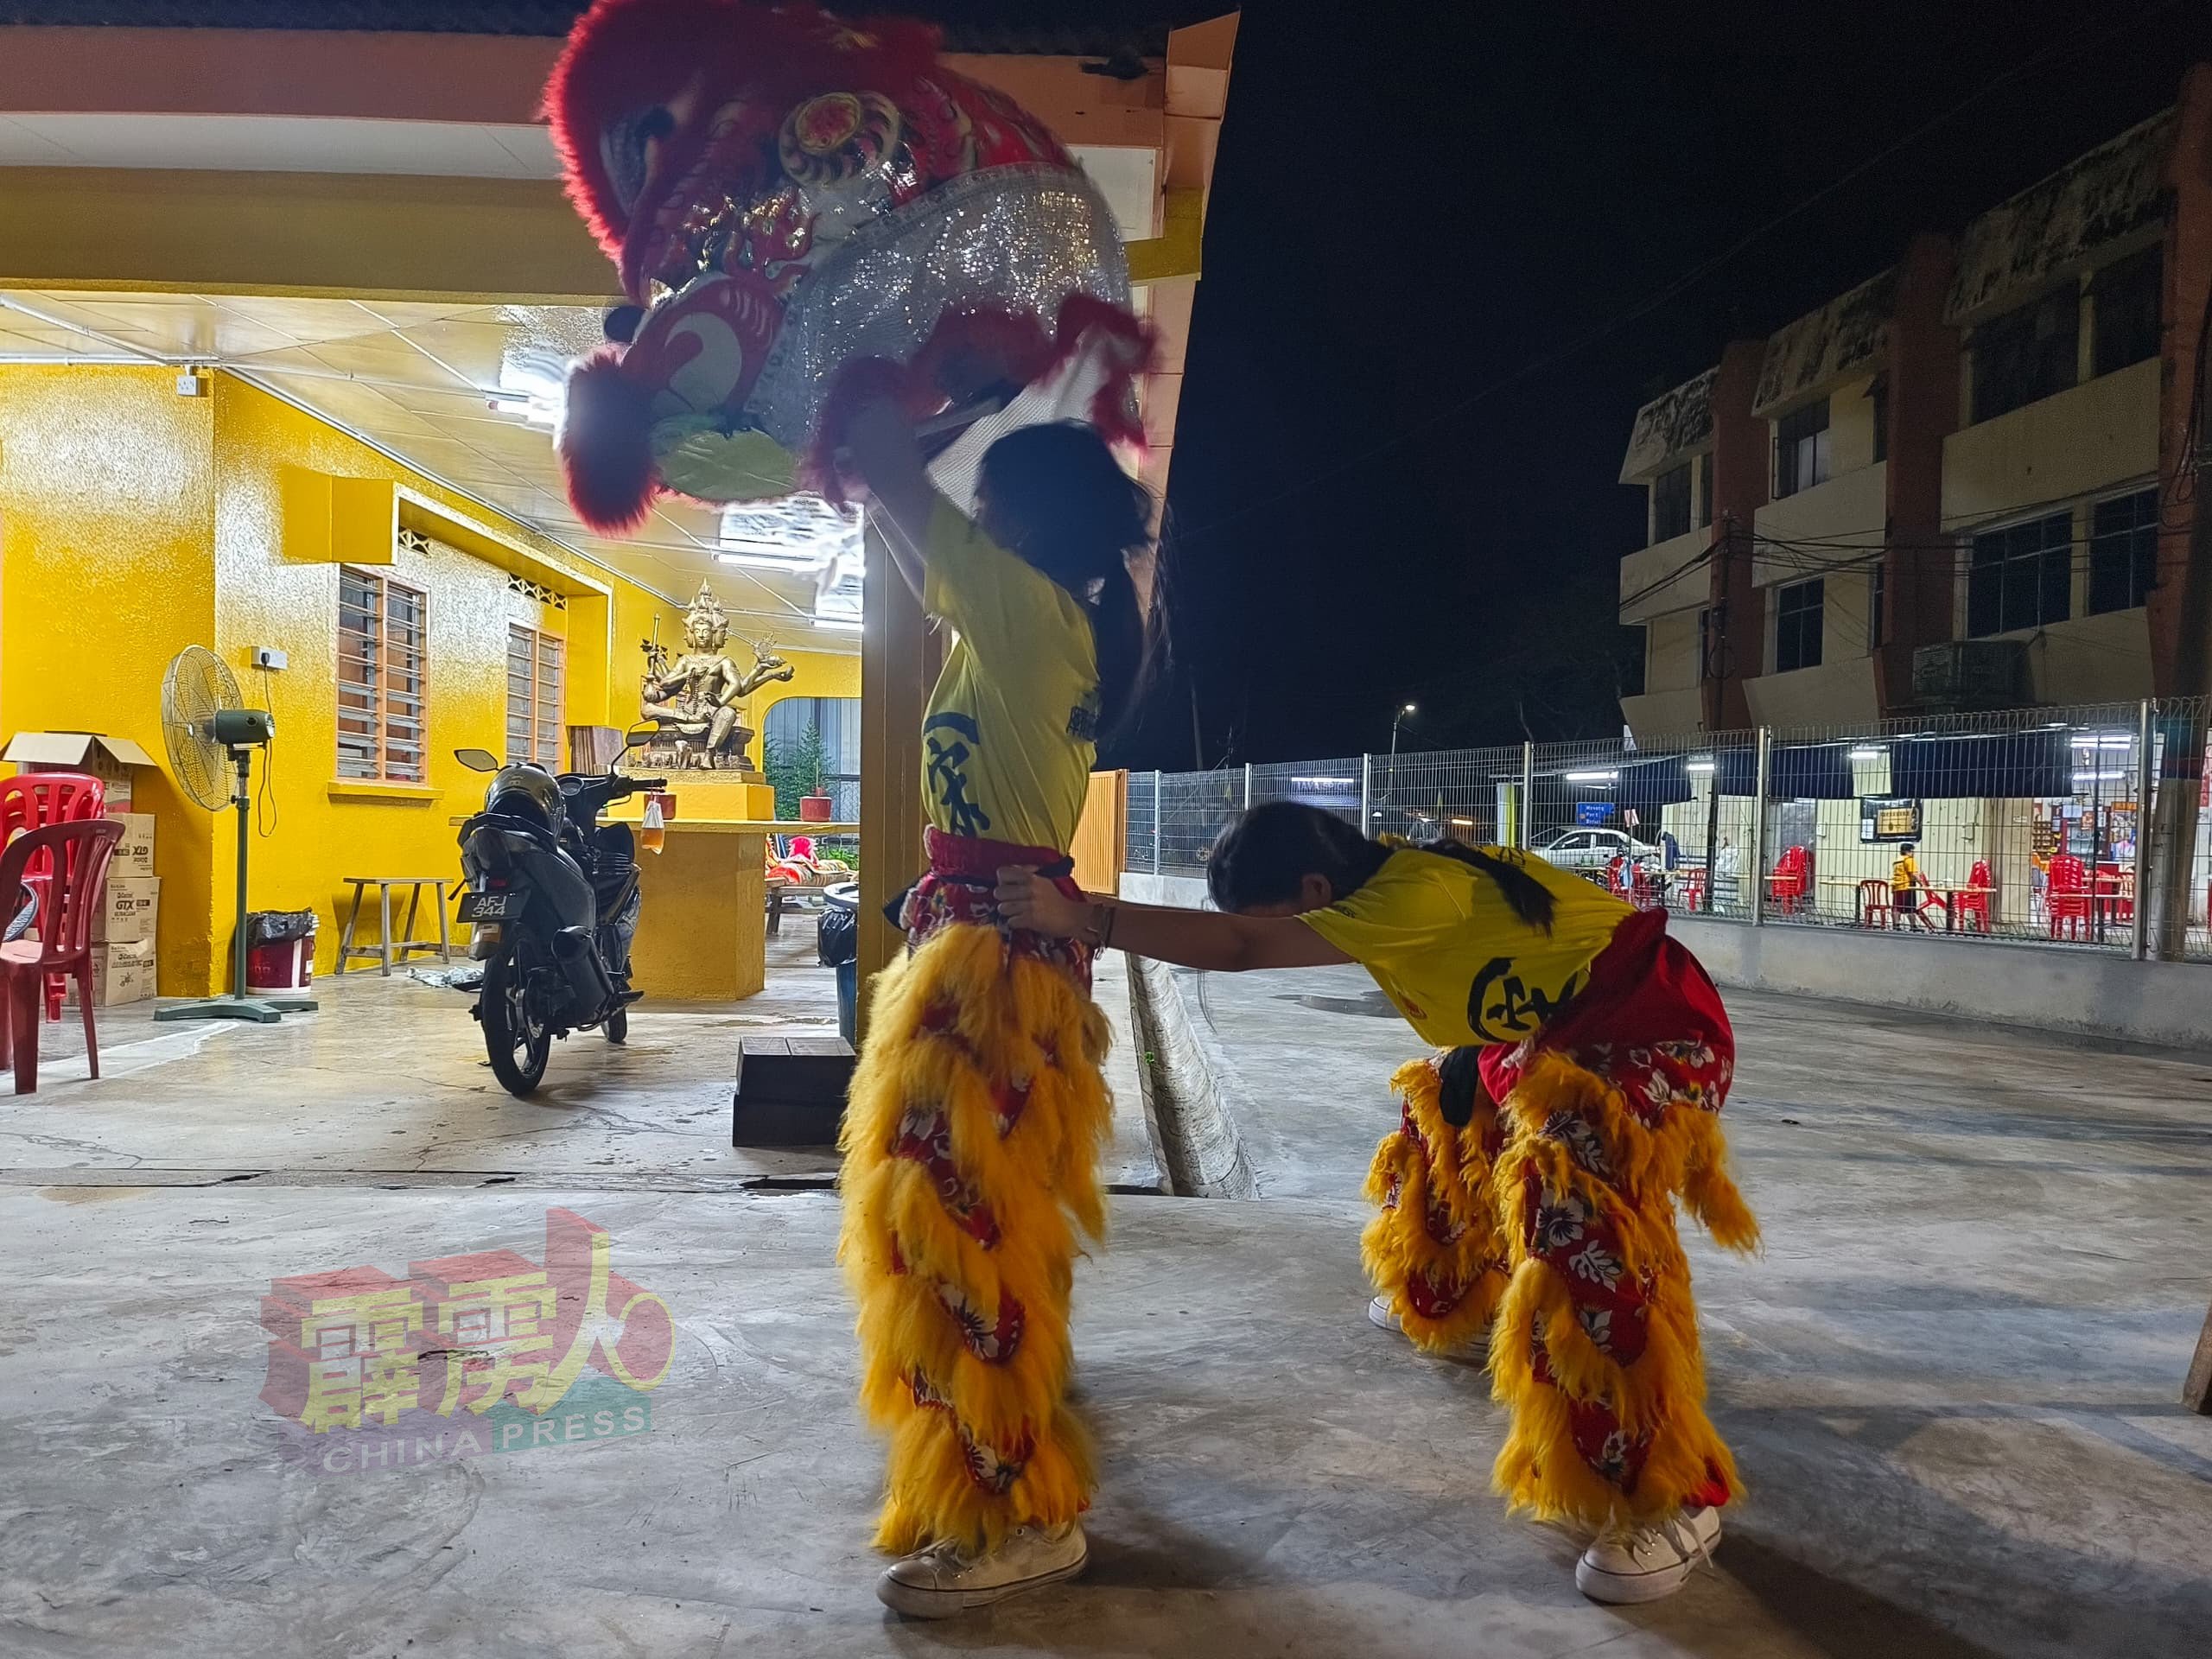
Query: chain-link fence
point(2083, 827)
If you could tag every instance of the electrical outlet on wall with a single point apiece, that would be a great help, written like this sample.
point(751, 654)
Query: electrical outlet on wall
point(189, 384)
point(269, 657)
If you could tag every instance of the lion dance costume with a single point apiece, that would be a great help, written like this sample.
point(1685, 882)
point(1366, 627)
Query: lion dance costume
point(1547, 1221)
point(798, 205)
point(806, 213)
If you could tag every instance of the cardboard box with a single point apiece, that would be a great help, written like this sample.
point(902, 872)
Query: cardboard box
point(134, 853)
point(110, 760)
point(121, 974)
point(130, 910)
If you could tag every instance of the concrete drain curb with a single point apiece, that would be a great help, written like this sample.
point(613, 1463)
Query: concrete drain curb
point(1192, 1092)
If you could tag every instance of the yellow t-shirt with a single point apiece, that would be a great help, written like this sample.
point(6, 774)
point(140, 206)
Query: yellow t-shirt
point(1904, 874)
point(1446, 947)
point(1012, 726)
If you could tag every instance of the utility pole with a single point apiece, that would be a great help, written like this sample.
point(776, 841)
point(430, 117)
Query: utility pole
point(2181, 768)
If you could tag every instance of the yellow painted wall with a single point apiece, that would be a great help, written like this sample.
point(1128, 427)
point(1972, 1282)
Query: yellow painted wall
point(107, 506)
point(134, 522)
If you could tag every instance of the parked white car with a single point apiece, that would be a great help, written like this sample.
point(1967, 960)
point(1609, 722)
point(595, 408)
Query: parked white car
point(1593, 850)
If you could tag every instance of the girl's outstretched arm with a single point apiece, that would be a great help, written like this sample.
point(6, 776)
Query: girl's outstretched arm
point(1190, 939)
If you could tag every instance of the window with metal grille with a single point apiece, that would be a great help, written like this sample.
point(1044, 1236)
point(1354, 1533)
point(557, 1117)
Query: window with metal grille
point(2123, 551)
point(383, 689)
point(2126, 297)
point(534, 665)
point(2028, 354)
point(1670, 504)
point(1878, 396)
point(1798, 626)
point(1801, 448)
point(2021, 576)
point(1704, 489)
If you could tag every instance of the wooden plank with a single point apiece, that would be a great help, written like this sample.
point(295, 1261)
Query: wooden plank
point(893, 661)
point(2196, 1392)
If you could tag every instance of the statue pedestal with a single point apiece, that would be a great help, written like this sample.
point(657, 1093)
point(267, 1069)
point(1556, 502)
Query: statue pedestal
point(735, 796)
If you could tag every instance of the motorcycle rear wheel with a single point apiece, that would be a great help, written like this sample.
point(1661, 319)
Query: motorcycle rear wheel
point(517, 1043)
point(618, 1026)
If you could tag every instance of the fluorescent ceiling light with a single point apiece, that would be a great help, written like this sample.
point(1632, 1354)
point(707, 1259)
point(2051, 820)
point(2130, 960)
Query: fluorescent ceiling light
point(1593, 776)
point(795, 532)
point(1866, 754)
point(1698, 765)
point(533, 384)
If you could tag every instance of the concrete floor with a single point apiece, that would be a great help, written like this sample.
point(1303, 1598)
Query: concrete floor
point(1950, 1379)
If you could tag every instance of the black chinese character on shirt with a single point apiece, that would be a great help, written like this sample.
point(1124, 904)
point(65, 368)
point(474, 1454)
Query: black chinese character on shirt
point(947, 763)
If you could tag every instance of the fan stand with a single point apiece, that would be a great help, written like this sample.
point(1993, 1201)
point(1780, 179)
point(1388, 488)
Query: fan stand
point(238, 1005)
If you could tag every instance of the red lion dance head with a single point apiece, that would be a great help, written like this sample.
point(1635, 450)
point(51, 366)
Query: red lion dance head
point(788, 197)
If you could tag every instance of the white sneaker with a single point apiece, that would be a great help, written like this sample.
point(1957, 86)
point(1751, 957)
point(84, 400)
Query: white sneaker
point(941, 1582)
point(1650, 1563)
point(1381, 1314)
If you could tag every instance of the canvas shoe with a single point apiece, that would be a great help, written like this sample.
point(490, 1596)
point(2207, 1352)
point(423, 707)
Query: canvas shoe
point(1650, 1563)
point(942, 1581)
point(1381, 1314)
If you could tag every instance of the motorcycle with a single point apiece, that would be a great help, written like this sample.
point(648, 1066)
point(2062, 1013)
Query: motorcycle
point(552, 900)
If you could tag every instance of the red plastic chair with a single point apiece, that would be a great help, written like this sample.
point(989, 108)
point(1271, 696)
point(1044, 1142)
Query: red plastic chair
point(1875, 909)
point(31, 800)
point(2066, 898)
point(1974, 903)
point(1788, 885)
point(1694, 890)
point(77, 855)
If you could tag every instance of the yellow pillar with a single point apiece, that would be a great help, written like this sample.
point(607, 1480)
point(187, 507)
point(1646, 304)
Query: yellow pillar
point(893, 686)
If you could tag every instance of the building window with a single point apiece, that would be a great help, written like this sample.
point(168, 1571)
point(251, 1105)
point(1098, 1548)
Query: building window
point(1635, 645)
point(2027, 354)
point(1797, 626)
point(383, 699)
point(2126, 297)
point(806, 740)
point(1881, 592)
point(1801, 448)
point(1878, 394)
point(2123, 551)
point(534, 696)
point(1705, 491)
point(2021, 576)
point(1670, 504)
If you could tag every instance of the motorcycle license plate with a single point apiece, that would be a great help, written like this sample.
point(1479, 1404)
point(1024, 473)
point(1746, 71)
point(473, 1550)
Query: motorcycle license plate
point(483, 906)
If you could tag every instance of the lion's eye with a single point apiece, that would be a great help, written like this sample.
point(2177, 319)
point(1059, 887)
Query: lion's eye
point(626, 147)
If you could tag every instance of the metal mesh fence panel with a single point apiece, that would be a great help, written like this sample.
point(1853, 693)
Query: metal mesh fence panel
point(1194, 808)
point(1467, 794)
point(2021, 824)
point(2182, 808)
point(1332, 786)
point(1139, 822)
point(2028, 824)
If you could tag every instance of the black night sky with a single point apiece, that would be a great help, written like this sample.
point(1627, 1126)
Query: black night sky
point(1404, 412)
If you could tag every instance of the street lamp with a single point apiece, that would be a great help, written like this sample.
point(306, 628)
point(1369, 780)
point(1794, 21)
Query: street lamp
point(1396, 719)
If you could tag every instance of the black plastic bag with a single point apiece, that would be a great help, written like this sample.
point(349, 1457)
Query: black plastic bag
point(279, 927)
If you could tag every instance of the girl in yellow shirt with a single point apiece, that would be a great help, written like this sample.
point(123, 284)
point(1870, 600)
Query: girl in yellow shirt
point(1528, 1194)
point(974, 1120)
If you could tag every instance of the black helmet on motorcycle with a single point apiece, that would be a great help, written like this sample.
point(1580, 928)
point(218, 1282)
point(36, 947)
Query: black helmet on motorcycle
point(526, 791)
